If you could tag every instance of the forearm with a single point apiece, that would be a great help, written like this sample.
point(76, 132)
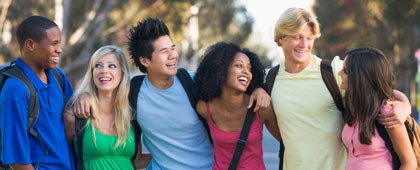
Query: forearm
point(402, 147)
point(69, 120)
point(21, 166)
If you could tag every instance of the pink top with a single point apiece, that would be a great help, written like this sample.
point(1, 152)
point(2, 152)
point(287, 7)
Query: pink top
point(224, 144)
point(370, 157)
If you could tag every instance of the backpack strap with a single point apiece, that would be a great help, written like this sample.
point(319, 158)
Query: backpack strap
point(80, 126)
point(269, 80)
point(331, 83)
point(135, 84)
point(388, 143)
point(33, 107)
point(188, 84)
point(59, 79)
point(242, 138)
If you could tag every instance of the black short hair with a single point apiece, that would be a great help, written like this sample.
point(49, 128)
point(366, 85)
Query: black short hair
point(141, 39)
point(33, 28)
point(212, 71)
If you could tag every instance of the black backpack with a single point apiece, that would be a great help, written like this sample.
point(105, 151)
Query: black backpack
point(33, 108)
point(135, 83)
point(330, 82)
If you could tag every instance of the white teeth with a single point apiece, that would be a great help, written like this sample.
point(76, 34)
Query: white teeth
point(105, 79)
point(243, 79)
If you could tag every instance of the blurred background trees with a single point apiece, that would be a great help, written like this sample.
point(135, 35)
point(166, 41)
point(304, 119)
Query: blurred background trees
point(390, 25)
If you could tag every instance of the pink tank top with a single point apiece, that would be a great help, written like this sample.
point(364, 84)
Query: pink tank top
point(360, 156)
point(224, 144)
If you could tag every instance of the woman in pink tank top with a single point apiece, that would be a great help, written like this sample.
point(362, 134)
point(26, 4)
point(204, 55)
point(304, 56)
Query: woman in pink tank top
point(367, 79)
point(223, 79)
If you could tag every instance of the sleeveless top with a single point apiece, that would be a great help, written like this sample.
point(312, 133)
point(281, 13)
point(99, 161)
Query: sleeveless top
point(103, 155)
point(375, 156)
point(224, 144)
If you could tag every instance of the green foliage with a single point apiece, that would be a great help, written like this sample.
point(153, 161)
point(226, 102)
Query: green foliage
point(91, 24)
point(390, 25)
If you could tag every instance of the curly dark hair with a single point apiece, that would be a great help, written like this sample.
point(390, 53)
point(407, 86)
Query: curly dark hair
point(212, 71)
point(33, 28)
point(141, 38)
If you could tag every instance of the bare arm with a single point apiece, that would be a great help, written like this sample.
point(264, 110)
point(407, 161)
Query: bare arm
point(261, 97)
point(402, 109)
point(69, 120)
point(21, 166)
point(201, 109)
point(403, 148)
point(269, 118)
point(142, 160)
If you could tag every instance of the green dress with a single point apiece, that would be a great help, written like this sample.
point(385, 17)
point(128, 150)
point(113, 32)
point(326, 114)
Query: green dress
point(103, 156)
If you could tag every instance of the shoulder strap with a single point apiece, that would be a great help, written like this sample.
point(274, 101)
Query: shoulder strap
point(80, 125)
point(188, 84)
point(242, 138)
point(135, 84)
point(59, 79)
point(388, 143)
point(329, 80)
point(33, 107)
point(269, 80)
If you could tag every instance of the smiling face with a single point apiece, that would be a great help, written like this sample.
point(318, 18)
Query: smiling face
point(298, 47)
point(164, 58)
point(239, 74)
point(343, 74)
point(46, 53)
point(107, 73)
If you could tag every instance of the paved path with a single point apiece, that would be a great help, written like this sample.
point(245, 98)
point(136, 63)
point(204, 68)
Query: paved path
point(271, 149)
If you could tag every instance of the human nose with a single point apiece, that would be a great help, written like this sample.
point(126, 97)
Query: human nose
point(303, 42)
point(59, 49)
point(173, 54)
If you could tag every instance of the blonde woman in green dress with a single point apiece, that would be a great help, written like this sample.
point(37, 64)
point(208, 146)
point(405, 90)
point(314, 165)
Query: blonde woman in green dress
point(108, 141)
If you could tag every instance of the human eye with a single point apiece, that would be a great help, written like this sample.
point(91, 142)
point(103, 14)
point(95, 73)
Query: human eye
point(112, 66)
point(239, 65)
point(345, 70)
point(97, 65)
point(310, 38)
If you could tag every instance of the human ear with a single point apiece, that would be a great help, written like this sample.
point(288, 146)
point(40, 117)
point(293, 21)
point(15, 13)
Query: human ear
point(29, 44)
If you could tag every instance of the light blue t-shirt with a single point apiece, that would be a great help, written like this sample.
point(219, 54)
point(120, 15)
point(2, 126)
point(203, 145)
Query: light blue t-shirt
point(173, 133)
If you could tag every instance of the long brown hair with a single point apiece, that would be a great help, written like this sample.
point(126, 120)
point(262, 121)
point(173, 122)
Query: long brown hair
point(370, 80)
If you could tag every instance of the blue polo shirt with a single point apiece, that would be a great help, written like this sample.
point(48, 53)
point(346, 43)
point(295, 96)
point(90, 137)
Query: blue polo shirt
point(18, 146)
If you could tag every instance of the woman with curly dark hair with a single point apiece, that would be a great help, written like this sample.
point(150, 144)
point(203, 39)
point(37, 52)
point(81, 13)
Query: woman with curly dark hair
point(224, 79)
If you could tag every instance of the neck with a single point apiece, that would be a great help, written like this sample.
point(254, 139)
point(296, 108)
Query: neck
point(296, 67)
point(161, 82)
point(232, 101)
point(40, 72)
point(106, 102)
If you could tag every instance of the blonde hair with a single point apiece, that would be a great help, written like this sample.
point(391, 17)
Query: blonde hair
point(294, 20)
point(121, 105)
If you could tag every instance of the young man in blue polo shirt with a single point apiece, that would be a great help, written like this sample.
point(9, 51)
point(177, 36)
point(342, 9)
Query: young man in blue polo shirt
point(39, 39)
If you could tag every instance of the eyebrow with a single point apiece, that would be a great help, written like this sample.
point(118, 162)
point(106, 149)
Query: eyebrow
point(163, 49)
